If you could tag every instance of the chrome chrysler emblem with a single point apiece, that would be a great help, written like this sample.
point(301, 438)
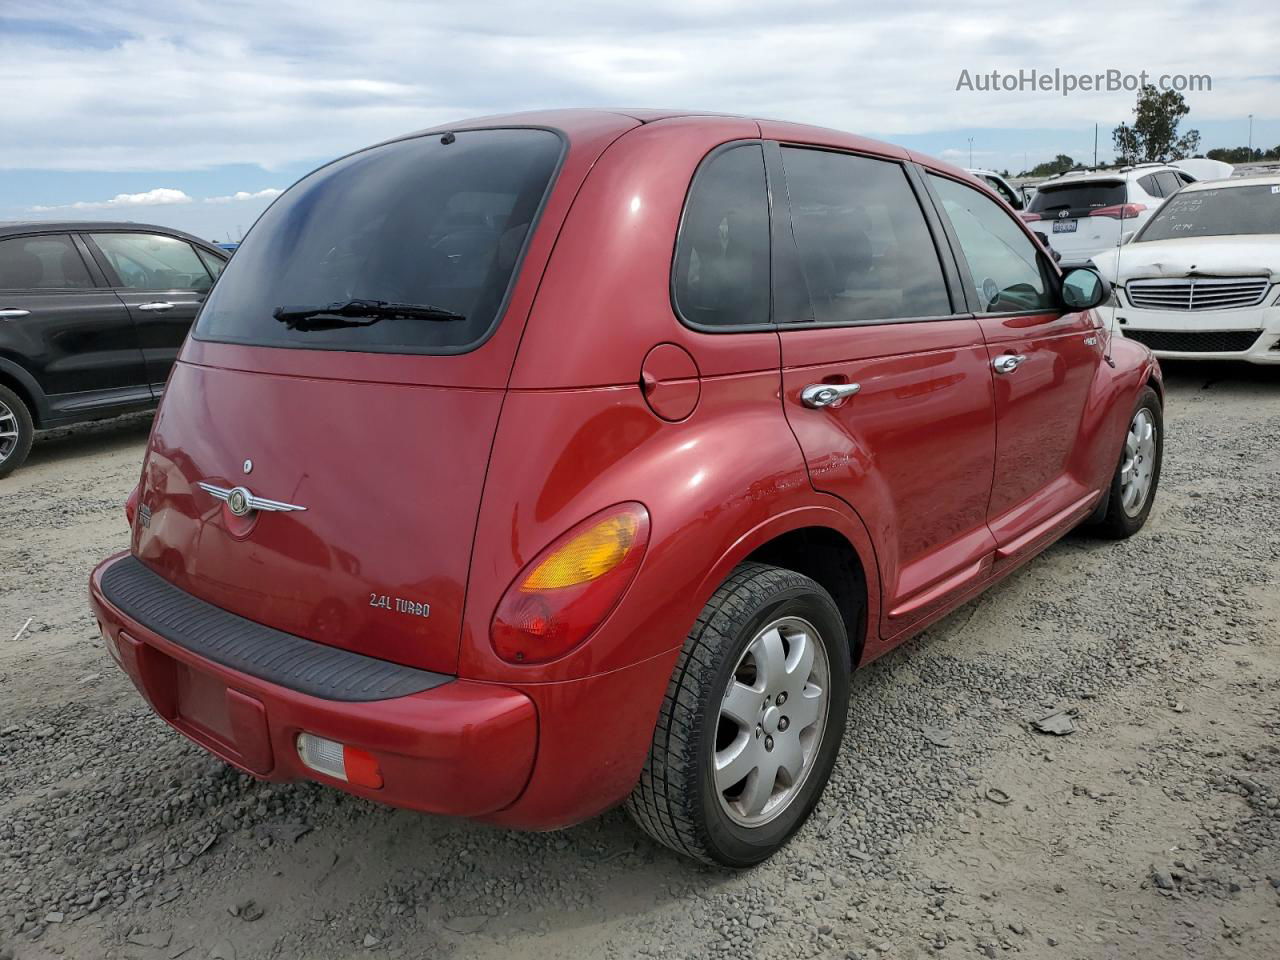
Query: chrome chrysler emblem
point(241, 502)
point(238, 501)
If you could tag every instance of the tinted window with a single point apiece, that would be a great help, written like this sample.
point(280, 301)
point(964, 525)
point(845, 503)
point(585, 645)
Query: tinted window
point(722, 258)
point(1169, 183)
point(36, 263)
point(1214, 213)
point(212, 263)
point(149, 261)
point(1150, 184)
point(1079, 198)
point(1004, 262)
point(418, 221)
point(864, 245)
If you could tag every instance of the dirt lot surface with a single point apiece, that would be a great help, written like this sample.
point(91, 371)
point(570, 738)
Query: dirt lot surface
point(950, 827)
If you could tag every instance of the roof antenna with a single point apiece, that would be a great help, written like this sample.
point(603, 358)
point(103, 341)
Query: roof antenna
point(448, 138)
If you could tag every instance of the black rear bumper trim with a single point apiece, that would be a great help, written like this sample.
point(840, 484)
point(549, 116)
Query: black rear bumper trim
point(240, 644)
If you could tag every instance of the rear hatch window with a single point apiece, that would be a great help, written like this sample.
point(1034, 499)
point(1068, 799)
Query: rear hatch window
point(1077, 199)
point(424, 236)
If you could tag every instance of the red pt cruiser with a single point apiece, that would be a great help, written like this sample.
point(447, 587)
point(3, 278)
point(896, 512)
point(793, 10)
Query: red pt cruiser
point(538, 464)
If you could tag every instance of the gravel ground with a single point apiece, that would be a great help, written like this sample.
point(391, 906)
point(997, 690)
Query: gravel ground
point(950, 828)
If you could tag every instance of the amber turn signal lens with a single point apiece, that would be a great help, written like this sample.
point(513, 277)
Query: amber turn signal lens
point(571, 587)
point(588, 556)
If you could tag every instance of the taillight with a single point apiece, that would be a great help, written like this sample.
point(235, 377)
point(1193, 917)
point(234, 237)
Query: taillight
point(1029, 217)
point(571, 587)
point(131, 505)
point(1119, 211)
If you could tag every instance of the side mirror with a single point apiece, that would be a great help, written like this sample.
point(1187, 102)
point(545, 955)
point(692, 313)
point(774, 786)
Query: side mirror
point(1082, 289)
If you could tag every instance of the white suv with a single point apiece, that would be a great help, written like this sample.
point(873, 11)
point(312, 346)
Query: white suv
point(1084, 214)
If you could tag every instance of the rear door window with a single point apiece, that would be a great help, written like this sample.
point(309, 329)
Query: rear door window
point(1151, 185)
point(431, 221)
point(151, 261)
point(48, 262)
point(864, 245)
point(1004, 263)
point(212, 262)
point(721, 274)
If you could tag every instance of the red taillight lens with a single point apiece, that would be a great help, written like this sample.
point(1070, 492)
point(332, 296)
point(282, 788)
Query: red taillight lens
point(131, 506)
point(569, 589)
point(1119, 211)
point(1029, 217)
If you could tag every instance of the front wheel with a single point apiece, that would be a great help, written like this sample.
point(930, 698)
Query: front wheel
point(752, 721)
point(1133, 485)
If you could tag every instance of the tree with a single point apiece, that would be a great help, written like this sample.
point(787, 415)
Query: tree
point(1242, 154)
point(1059, 164)
point(1153, 137)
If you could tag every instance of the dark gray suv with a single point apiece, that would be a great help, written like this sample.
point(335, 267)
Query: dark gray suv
point(92, 316)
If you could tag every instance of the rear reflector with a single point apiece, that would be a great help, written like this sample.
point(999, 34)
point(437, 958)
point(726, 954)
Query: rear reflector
point(339, 760)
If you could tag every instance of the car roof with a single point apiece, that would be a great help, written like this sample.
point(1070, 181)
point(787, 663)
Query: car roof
point(1271, 179)
point(12, 228)
point(572, 120)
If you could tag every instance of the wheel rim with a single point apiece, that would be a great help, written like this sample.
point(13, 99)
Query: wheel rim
point(8, 431)
point(771, 722)
point(1139, 463)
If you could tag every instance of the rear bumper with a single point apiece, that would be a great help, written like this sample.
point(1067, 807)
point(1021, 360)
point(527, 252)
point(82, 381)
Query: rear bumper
point(1251, 334)
point(460, 747)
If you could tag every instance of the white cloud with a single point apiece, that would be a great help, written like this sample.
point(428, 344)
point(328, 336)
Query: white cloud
point(160, 196)
point(312, 79)
point(270, 193)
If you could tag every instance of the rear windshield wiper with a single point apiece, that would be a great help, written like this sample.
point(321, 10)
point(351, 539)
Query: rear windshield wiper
point(357, 313)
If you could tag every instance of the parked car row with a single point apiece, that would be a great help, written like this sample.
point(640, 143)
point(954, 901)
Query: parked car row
point(1201, 277)
point(1196, 263)
point(92, 315)
point(527, 467)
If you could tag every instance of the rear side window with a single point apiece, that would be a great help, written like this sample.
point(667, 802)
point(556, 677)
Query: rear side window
point(1169, 182)
point(1151, 185)
point(433, 221)
point(864, 246)
point(149, 261)
point(1004, 263)
point(42, 263)
point(721, 275)
point(1078, 199)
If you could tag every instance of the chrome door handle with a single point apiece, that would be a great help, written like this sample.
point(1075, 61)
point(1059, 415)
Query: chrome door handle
point(13, 313)
point(1008, 363)
point(818, 395)
point(156, 306)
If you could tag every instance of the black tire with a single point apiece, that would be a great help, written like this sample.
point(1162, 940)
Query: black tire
point(676, 801)
point(1111, 520)
point(14, 413)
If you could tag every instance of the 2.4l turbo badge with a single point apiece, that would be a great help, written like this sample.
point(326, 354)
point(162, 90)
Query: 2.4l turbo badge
point(399, 605)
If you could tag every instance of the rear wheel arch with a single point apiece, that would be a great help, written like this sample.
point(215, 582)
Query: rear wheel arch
point(827, 557)
point(830, 546)
point(22, 384)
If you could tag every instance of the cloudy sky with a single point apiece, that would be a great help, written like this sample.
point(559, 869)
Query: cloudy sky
point(195, 113)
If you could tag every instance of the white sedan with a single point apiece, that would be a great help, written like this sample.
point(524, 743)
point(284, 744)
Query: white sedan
point(1201, 279)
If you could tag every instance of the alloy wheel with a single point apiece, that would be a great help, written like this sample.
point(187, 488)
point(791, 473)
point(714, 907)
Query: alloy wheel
point(8, 431)
point(1139, 462)
point(771, 721)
